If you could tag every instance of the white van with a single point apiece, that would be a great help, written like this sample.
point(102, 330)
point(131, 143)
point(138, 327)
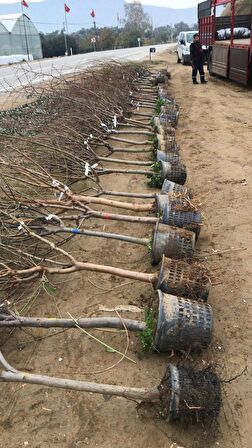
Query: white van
point(185, 39)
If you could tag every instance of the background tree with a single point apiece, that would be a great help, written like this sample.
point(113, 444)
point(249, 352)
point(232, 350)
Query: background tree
point(53, 44)
point(181, 26)
point(107, 38)
point(136, 20)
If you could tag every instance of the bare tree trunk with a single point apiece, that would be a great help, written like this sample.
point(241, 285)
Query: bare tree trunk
point(129, 195)
point(124, 218)
point(117, 204)
point(113, 236)
point(111, 171)
point(130, 150)
point(9, 321)
point(131, 142)
point(132, 393)
point(143, 114)
point(133, 132)
point(125, 162)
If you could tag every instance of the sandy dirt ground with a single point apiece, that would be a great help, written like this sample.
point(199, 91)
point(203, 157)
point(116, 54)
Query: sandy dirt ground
point(215, 136)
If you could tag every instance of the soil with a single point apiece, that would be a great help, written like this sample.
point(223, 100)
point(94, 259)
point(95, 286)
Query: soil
point(215, 136)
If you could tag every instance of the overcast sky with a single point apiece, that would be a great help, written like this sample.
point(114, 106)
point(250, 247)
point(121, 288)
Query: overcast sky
point(168, 3)
point(8, 2)
point(171, 3)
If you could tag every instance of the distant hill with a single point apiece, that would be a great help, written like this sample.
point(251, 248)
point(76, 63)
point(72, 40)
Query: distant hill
point(49, 15)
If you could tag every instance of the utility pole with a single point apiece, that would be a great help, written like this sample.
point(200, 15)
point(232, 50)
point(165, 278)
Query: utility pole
point(65, 38)
point(26, 38)
point(66, 29)
point(95, 30)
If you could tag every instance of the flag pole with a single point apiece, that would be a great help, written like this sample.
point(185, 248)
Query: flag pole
point(95, 33)
point(95, 30)
point(66, 30)
point(65, 39)
point(26, 39)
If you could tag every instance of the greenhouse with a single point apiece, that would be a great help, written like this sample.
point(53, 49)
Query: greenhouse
point(19, 36)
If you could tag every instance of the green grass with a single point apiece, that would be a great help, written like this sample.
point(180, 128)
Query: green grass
point(154, 141)
point(150, 244)
point(160, 102)
point(155, 179)
point(148, 335)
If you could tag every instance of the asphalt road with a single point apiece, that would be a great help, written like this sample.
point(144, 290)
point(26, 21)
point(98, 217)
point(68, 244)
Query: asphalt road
point(14, 76)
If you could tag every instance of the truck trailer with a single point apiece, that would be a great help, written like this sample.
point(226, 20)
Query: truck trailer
point(228, 40)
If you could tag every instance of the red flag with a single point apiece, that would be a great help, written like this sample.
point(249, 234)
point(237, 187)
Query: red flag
point(67, 9)
point(92, 13)
point(23, 3)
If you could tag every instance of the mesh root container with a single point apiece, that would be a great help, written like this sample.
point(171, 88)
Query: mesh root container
point(167, 144)
point(168, 129)
point(172, 157)
point(170, 144)
point(160, 78)
point(190, 395)
point(163, 94)
point(169, 117)
point(170, 187)
point(174, 172)
point(165, 127)
point(180, 278)
point(168, 209)
point(183, 324)
point(168, 108)
point(172, 242)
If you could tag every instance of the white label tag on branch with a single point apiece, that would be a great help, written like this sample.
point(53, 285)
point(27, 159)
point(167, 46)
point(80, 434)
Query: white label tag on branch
point(87, 168)
point(94, 166)
point(61, 195)
point(55, 183)
point(114, 121)
point(20, 227)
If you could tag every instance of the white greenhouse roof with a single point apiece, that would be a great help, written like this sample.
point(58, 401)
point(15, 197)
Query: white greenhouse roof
point(9, 20)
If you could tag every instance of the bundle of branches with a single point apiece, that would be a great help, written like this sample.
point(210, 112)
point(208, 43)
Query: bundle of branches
point(29, 118)
point(35, 208)
point(85, 108)
point(107, 88)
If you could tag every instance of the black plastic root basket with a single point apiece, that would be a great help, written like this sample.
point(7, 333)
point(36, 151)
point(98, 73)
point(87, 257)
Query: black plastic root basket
point(172, 242)
point(172, 157)
point(175, 172)
point(180, 278)
point(168, 209)
point(183, 324)
point(190, 395)
point(169, 117)
point(174, 188)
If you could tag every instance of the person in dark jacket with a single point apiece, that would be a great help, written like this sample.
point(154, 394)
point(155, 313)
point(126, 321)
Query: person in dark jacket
point(197, 60)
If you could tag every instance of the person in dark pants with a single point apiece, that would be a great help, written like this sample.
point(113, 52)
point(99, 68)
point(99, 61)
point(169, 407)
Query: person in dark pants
point(197, 60)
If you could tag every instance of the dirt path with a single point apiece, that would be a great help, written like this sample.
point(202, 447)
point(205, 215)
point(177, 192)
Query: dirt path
point(215, 135)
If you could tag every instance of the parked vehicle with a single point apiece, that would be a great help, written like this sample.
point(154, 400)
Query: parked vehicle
point(228, 39)
point(185, 39)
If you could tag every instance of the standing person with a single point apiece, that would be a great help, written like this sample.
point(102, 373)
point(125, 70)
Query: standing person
point(197, 60)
